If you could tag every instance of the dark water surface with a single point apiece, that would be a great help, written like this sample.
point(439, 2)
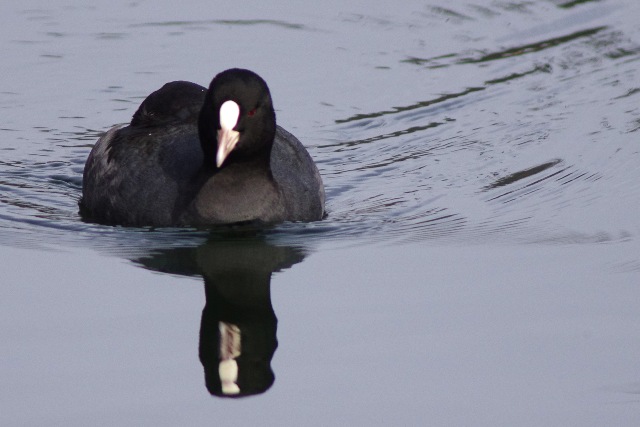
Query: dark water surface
point(479, 265)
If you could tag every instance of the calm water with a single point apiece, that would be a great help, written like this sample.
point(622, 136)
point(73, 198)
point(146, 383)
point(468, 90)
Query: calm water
point(479, 266)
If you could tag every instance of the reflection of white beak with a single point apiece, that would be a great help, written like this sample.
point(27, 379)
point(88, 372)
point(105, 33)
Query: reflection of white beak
point(227, 137)
point(228, 371)
point(230, 349)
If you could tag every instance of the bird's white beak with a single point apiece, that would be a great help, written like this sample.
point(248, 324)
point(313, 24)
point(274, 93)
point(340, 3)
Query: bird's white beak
point(227, 137)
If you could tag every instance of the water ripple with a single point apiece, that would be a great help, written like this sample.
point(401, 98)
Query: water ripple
point(510, 136)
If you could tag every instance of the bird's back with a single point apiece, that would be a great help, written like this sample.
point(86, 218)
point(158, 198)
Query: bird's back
point(140, 174)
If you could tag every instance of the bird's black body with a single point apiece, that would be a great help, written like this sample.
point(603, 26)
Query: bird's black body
point(161, 169)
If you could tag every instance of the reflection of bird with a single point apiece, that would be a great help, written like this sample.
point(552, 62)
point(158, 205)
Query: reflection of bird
point(192, 156)
point(238, 327)
point(236, 346)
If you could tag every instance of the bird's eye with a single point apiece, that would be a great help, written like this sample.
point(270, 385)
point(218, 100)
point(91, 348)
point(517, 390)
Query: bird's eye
point(251, 113)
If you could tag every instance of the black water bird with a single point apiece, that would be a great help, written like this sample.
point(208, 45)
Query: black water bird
point(198, 157)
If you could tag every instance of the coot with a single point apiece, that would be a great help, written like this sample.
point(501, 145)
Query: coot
point(196, 157)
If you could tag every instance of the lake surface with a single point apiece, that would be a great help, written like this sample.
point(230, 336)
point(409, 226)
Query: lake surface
point(479, 265)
